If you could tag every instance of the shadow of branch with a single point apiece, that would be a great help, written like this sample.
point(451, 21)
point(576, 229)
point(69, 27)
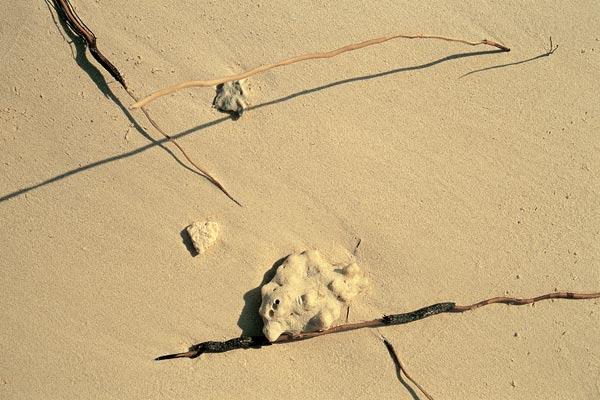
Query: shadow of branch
point(250, 321)
point(398, 368)
point(375, 76)
point(545, 54)
point(98, 79)
point(96, 76)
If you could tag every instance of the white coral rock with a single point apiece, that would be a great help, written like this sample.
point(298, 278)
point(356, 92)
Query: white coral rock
point(308, 294)
point(203, 234)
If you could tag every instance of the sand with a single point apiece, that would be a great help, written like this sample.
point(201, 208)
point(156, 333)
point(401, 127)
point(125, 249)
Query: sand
point(459, 187)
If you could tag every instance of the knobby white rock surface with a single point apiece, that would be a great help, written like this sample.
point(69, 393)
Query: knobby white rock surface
point(203, 234)
point(308, 294)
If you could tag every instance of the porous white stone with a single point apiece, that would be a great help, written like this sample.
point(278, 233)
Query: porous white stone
point(307, 294)
point(203, 234)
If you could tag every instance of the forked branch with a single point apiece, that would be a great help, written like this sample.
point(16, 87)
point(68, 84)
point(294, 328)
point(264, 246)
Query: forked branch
point(247, 342)
point(401, 369)
point(304, 57)
point(66, 11)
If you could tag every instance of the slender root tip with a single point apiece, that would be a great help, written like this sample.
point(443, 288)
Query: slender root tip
point(167, 357)
point(187, 354)
point(495, 44)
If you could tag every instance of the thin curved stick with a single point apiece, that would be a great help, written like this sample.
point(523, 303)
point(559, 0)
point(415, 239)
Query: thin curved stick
point(512, 301)
point(401, 368)
point(68, 14)
point(304, 57)
point(202, 171)
point(253, 342)
point(81, 29)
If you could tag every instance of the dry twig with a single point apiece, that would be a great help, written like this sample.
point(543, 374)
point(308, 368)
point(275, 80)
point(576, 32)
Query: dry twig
point(203, 171)
point(547, 53)
point(80, 28)
point(247, 342)
point(66, 11)
point(304, 57)
point(401, 368)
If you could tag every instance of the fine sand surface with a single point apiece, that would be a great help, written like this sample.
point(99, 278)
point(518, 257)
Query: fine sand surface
point(460, 188)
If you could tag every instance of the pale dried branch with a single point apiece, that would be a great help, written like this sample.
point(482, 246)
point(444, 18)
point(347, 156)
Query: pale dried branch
point(202, 171)
point(303, 57)
point(66, 11)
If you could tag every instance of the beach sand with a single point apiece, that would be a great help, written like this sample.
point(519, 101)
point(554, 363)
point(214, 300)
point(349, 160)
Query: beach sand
point(465, 172)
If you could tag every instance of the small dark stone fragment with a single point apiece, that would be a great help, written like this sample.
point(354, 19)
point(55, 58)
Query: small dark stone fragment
point(231, 98)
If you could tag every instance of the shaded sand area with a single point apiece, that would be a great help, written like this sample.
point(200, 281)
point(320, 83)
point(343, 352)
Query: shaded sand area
point(466, 173)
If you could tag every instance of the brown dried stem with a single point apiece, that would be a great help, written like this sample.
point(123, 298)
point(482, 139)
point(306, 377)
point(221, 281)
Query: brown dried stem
point(513, 301)
point(304, 57)
point(400, 368)
point(203, 171)
point(68, 14)
point(246, 342)
point(66, 11)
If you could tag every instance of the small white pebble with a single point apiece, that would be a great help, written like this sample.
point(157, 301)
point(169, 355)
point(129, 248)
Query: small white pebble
point(203, 235)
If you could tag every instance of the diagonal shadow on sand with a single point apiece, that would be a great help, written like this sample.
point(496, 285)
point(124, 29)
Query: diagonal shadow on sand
point(97, 77)
point(100, 82)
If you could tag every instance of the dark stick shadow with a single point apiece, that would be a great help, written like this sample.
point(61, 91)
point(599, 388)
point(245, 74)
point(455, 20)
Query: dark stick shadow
point(545, 54)
point(97, 77)
point(159, 142)
point(398, 368)
point(408, 388)
point(375, 76)
point(249, 321)
point(187, 241)
point(100, 82)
